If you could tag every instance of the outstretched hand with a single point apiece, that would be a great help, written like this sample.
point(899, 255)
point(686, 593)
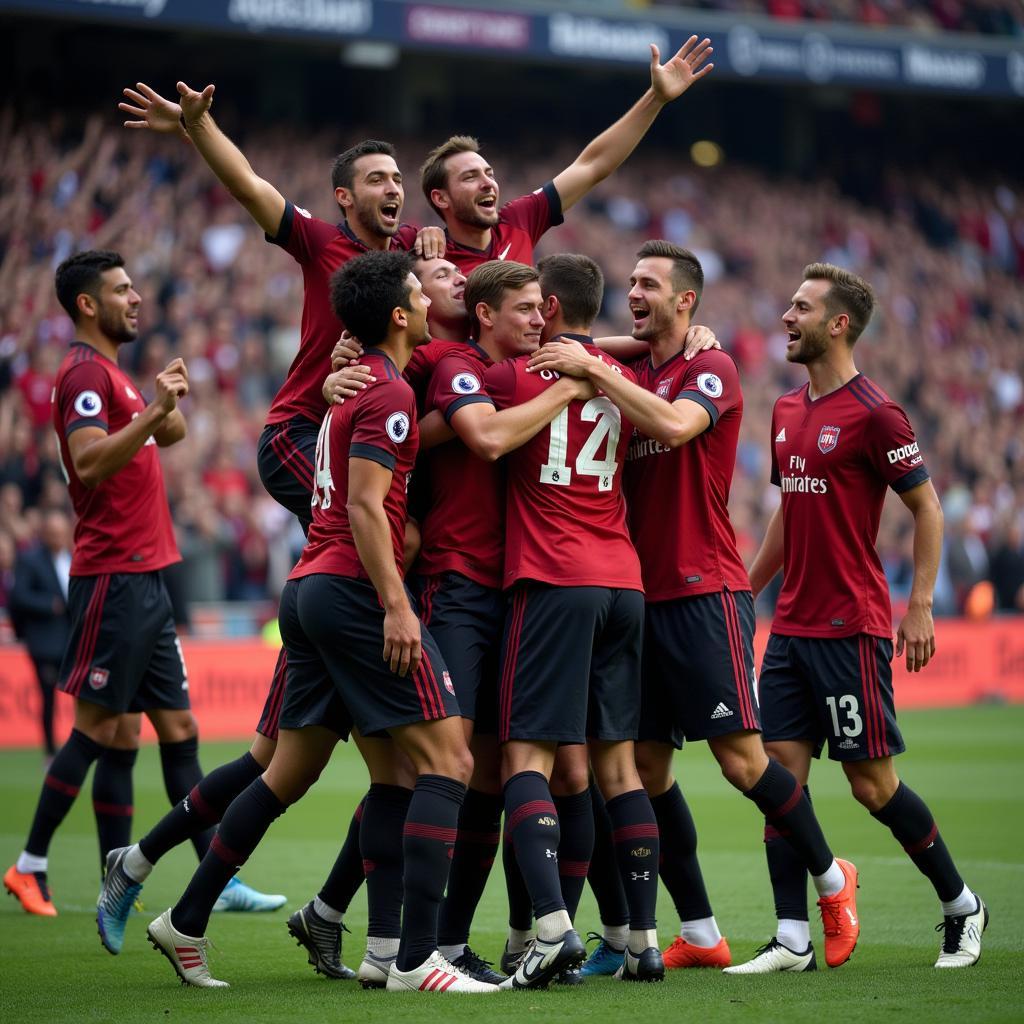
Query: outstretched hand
point(670, 80)
point(153, 111)
point(194, 104)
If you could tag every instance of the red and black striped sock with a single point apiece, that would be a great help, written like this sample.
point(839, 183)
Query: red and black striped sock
point(475, 848)
point(244, 824)
point(520, 908)
point(347, 874)
point(635, 837)
point(532, 822)
point(603, 876)
point(112, 799)
point(64, 779)
point(428, 839)
point(787, 871)
point(678, 864)
point(575, 847)
point(385, 809)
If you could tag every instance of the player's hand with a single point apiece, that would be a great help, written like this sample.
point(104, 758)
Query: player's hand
point(670, 80)
point(402, 650)
point(152, 110)
point(584, 388)
point(346, 350)
point(917, 635)
point(194, 104)
point(171, 385)
point(699, 339)
point(346, 383)
point(563, 355)
point(431, 243)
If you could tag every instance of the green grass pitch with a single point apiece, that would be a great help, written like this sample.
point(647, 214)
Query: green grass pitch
point(968, 764)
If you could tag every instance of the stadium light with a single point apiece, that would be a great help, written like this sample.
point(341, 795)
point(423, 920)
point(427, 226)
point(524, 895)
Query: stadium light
point(705, 153)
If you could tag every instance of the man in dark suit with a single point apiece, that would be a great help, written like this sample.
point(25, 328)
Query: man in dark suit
point(39, 607)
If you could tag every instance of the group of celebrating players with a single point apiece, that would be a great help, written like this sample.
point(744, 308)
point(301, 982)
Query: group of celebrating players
point(575, 607)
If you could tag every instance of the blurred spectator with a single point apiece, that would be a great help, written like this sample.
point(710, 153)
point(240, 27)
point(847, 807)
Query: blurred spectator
point(1008, 565)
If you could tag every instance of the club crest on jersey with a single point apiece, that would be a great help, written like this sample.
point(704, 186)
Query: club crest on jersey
point(663, 388)
point(397, 427)
point(98, 678)
point(465, 384)
point(710, 384)
point(88, 403)
point(828, 439)
point(447, 679)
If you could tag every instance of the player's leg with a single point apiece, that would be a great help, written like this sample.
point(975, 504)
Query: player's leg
point(112, 790)
point(286, 457)
point(46, 675)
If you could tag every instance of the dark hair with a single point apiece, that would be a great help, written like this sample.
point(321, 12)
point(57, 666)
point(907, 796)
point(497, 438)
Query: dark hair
point(489, 282)
point(434, 172)
point(343, 170)
point(367, 289)
point(687, 273)
point(578, 284)
point(847, 294)
point(83, 272)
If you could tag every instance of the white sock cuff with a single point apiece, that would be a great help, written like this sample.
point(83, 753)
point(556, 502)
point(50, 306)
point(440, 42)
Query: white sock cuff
point(29, 863)
point(136, 866)
point(326, 911)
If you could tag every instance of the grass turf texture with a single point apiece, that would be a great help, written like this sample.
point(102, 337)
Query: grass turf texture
point(967, 764)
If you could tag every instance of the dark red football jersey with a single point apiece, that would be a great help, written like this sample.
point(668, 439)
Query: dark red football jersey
point(521, 223)
point(320, 249)
point(124, 524)
point(833, 458)
point(464, 531)
point(378, 424)
point(420, 368)
point(565, 516)
point(678, 498)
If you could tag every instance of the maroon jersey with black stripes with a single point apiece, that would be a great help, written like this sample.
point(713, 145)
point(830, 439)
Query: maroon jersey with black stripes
point(320, 249)
point(833, 458)
point(464, 531)
point(379, 424)
point(124, 523)
point(565, 516)
point(421, 366)
point(678, 498)
point(521, 223)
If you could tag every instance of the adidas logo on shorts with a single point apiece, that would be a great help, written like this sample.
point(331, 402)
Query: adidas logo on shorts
point(720, 712)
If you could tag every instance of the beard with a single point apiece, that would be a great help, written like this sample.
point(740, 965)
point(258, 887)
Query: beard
point(368, 212)
point(467, 212)
point(658, 322)
point(811, 347)
point(116, 327)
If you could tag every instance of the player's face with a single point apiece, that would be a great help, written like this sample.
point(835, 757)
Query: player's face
point(416, 314)
point(806, 323)
point(517, 323)
point(472, 191)
point(445, 285)
point(376, 196)
point(652, 298)
point(117, 307)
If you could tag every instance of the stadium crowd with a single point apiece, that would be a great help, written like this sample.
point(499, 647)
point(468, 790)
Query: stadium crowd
point(945, 254)
point(987, 17)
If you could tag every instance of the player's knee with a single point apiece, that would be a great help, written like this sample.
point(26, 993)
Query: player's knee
point(568, 779)
point(740, 770)
point(869, 791)
point(654, 768)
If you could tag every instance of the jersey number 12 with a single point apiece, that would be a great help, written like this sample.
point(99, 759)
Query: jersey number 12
point(607, 424)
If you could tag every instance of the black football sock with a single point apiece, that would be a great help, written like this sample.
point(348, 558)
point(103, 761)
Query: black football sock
point(48, 696)
point(244, 824)
point(112, 799)
point(576, 824)
point(180, 764)
point(782, 800)
point(385, 809)
point(202, 808)
point(347, 874)
point(63, 780)
point(532, 821)
point(603, 876)
point(678, 864)
point(910, 821)
point(475, 849)
point(520, 909)
point(635, 836)
point(428, 840)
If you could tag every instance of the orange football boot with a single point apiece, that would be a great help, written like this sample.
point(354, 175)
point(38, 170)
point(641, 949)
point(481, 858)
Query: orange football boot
point(839, 918)
point(685, 954)
point(31, 890)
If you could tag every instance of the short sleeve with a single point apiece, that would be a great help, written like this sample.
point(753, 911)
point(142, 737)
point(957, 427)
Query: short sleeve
point(457, 382)
point(383, 423)
point(84, 397)
point(536, 212)
point(500, 381)
point(405, 237)
point(893, 450)
point(300, 234)
point(711, 380)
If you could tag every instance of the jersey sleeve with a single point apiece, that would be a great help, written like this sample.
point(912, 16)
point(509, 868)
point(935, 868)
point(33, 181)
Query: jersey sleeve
point(893, 450)
point(456, 382)
point(776, 478)
point(84, 397)
point(405, 237)
point(300, 234)
point(500, 381)
point(536, 212)
point(383, 423)
point(711, 380)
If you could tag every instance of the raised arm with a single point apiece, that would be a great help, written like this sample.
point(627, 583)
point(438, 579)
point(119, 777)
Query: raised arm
point(192, 119)
point(605, 153)
point(916, 632)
